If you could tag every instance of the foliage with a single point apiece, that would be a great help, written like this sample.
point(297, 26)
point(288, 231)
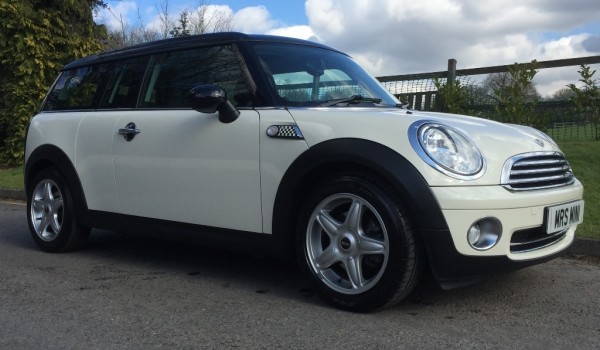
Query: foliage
point(515, 105)
point(184, 26)
point(562, 95)
point(587, 97)
point(203, 19)
point(37, 38)
point(452, 97)
point(501, 81)
point(583, 157)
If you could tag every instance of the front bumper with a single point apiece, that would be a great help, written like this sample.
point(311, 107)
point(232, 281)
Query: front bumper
point(452, 257)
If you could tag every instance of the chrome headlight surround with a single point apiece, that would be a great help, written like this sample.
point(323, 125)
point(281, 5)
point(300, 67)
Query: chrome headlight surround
point(447, 150)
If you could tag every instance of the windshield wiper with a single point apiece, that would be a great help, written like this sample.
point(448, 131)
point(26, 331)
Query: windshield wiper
point(354, 99)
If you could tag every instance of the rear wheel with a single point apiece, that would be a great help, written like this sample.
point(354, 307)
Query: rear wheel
point(51, 213)
point(356, 243)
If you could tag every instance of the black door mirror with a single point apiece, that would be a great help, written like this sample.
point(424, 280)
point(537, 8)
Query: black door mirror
point(210, 99)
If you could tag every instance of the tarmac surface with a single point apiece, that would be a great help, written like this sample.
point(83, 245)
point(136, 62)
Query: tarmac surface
point(131, 292)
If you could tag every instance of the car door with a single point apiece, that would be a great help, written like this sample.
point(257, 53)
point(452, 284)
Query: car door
point(188, 167)
point(180, 165)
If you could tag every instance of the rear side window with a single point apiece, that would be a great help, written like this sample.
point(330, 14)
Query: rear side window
point(158, 81)
point(81, 88)
point(172, 75)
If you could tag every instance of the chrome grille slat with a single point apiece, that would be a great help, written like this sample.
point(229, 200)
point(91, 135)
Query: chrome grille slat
point(524, 163)
point(533, 239)
point(536, 170)
point(539, 179)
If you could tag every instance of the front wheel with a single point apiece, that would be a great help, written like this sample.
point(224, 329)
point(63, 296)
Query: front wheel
point(51, 213)
point(357, 245)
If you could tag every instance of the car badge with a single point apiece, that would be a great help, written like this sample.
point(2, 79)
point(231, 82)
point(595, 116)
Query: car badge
point(539, 142)
point(285, 132)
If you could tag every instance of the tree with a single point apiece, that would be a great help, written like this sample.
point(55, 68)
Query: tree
point(207, 19)
point(564, 94)
point(500, 82)
point(587, 97)
point(184, 26)
point(516, 97)
point(38, 37)
point(204, 18)
point(453, 97)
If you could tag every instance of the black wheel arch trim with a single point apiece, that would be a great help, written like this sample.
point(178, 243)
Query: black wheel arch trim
point(51, 155)
point(357, 154)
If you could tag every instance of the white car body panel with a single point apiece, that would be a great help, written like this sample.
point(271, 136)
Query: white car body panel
point(94, 159)
point(463, 202)
point(58, 129)
point(276, 155)
point(390, 127)
point(462, 206)
point(188, 167)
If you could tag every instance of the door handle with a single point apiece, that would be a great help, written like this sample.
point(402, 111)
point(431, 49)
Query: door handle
point(129, 131)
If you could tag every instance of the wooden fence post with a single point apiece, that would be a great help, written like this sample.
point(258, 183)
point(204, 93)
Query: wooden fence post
point(451, 71)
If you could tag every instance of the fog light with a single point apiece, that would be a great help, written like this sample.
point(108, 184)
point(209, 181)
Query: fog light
point(484, 233)
point(473, 235)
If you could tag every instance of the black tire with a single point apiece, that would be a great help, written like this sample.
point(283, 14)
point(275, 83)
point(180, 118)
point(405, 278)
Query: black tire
point(357, 244)
point(51, 213)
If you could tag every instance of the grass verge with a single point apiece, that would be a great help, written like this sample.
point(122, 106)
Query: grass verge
point(11, 178)
point(584, 157)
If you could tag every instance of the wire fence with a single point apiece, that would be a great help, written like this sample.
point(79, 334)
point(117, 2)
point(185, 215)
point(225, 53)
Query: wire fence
point(558, 116)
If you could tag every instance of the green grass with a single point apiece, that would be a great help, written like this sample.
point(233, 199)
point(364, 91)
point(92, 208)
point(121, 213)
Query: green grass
point(11, 178)
point(570, 132)
point(584, 157)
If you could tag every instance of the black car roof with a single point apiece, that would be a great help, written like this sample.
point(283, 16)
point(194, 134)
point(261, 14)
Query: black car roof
point(183, 43)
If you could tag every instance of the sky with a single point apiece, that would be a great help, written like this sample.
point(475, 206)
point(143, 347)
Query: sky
point(392, 37)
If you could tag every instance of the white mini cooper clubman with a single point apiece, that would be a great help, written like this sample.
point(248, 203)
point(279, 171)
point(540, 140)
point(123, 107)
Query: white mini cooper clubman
point(289, 147)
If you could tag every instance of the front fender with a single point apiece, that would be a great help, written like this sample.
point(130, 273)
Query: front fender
point(350, 154)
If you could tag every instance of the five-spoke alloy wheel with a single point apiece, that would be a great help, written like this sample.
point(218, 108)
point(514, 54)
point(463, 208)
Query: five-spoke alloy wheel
point(47, 210)
point(356, 243)
point(347, 243)
point(51, 214)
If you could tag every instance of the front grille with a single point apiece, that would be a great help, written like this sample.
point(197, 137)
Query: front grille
point(538, 170)
point(534, 238)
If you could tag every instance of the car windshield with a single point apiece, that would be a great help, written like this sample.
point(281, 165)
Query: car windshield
point(305, 76)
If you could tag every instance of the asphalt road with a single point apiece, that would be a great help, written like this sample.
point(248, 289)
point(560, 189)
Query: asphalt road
point(126, 292)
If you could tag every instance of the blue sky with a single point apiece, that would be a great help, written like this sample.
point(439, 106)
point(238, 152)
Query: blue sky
point(411, 36)
point(290, 12)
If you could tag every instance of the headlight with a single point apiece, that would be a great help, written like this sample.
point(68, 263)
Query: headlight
point(448, 151)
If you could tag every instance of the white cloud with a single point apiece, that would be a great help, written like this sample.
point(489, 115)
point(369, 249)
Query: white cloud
point(299, 32)
point(255, 19)
point(213, 16)
point(258, 20)
point(114, 16)
point(408, 36)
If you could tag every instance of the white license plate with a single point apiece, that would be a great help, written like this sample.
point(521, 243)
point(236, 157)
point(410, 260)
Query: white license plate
point(563, 216)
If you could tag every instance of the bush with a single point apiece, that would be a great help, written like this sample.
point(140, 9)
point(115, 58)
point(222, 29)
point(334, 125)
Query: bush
point(37, 38)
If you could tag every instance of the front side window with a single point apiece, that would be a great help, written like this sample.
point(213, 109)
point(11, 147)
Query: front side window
point(310, 76)
point(124, 87)
point(80, 88)
point(172, 75)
